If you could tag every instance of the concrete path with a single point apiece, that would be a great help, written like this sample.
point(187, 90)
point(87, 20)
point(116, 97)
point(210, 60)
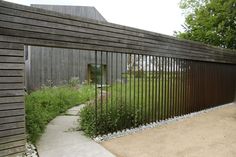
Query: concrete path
point(211, 134)
point(62, 140)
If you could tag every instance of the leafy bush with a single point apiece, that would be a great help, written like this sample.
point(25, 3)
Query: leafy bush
point(74, 81)
point(112, 115)
point(109, 121)
point(87, 121)
point(125, 105)
point(45, 104)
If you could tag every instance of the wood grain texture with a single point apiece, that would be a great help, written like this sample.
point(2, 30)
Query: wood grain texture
point(11, 79)
point(13, 152)
point(8, 113)
point(12, 66)
point(11, 132)
point(16, 86)
point(52, 65)
point(11, 73)
point(6, 120)
point(11, 99)
point(137, 41)
point(11, 52)
point(12, 106)
point(12, 144)
point(9, 48)
point(12, 125)
point(7, 59)
point(82, 11)
point(5, 93)
point(12, 111)
point(58, 66)
point(23, 25)
point(12, 138)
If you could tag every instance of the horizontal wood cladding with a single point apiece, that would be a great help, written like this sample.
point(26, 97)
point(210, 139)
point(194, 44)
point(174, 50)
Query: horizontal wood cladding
point(12, 138)
point(6, 120)
point(159, 50)
point(12, 111)
point(11, 106)
point(8, 113)
point(99, 44)
point(11, 66)
point(12, 145)
point(7, 86)
point(4, 100)
point(11, 73)
point(5, 93)
point(23, 25)
point(7, 52)
point(11, 79)
point(77, 33)
point(86, 23)
point(32, 26)
point(12, 125)
point(13, 152)
point(11, 132)
point(8, 48)
point(7, 59)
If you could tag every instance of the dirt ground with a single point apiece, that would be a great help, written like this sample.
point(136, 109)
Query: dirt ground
point(211, 134)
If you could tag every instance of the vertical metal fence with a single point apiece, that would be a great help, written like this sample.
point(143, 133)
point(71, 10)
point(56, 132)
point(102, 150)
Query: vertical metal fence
point(143, 88)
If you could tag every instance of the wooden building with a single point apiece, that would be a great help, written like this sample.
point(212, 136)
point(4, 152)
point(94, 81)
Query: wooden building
point(56, 66)
point(23, 25)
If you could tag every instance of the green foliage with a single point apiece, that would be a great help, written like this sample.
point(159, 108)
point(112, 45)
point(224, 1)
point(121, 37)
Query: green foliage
point(107, 122)
point(210, 21)
point(74, 81)
point(128, 105)
point(45, 104)
point(87, 121)
point(189, 6)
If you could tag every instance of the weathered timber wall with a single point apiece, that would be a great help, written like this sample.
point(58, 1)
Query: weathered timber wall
point(23, 25)
point(46, 65)
point(81, 11)
point(12, 112)
point(33, 26)
point(56, 66)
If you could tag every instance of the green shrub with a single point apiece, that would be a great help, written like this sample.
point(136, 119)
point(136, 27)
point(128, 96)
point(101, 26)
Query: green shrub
point(127, 105)
point(74, 81)
point(112, 115)
point(47, 103)
point(87, 121)
point(109, 121)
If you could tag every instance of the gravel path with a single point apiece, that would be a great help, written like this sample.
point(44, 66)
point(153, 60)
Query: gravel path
point(62, 140)
point(211, 134)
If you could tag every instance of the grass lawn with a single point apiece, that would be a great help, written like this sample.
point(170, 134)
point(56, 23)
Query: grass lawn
point(124, 105)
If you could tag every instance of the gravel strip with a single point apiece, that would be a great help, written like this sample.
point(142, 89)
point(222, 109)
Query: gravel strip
point(126, 132)
point(30, 151)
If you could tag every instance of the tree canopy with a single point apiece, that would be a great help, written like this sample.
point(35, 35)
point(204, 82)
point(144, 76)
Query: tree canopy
point(210, 21)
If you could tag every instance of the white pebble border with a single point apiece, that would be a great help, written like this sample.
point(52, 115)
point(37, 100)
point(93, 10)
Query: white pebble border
point(126, 132)
point(30, 151)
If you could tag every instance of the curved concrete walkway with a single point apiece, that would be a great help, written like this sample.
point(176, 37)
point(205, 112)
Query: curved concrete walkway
point(211, 134)
point(62, 140)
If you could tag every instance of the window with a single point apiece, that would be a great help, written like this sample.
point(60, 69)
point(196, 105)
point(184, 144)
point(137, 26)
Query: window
point(97, 73)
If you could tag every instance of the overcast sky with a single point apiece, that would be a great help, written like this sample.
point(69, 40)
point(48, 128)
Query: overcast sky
point(161, 16)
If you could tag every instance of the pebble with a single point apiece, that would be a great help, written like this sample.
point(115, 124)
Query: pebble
point(30, 151)
point(154, 124)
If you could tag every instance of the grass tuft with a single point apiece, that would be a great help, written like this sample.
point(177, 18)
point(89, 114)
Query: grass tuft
point(45, 104)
